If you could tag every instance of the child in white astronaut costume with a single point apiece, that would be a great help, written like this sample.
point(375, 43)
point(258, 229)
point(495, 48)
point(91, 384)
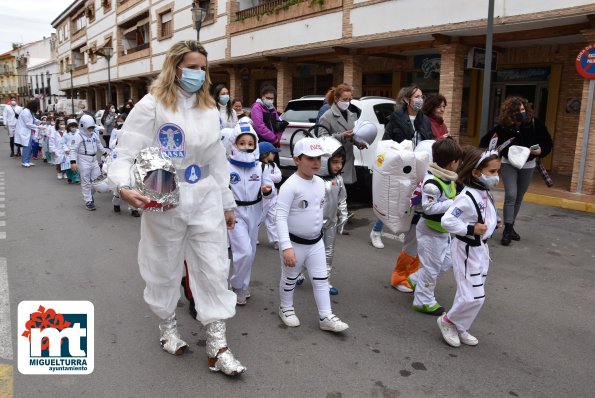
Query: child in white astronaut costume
point(83, 157)
point(438, 191)
point(472, 219)
point(335, 199)
point(299, 223)
point(248, 184)
point(269, 204)
point(58, 145)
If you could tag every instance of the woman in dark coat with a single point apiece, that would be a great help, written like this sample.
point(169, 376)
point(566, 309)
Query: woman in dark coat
point(517, 122)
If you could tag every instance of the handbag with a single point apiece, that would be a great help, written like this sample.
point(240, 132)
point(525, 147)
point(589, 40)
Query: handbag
point(65, 164)
point(518, 155)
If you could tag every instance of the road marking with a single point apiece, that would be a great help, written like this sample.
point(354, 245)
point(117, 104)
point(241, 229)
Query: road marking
point(2, 223)
point(2, 213)
point(5, 329)
point(5, 381)
point(2, 235)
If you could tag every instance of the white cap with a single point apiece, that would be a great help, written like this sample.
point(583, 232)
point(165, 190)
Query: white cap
point(87, 122)
point(309, 147)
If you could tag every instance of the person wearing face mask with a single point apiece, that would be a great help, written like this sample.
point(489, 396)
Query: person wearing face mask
point(83, 157)
point(249, 182)
point(265, 118)
point(73, 176)
point(181, 118)
point(516, 121)
point(27, 126)
point(60, 148)
point(338, 121)
point(108, 120)
point(227, 115)
point(11, 114)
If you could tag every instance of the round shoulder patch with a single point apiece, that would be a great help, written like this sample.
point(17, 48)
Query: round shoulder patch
point(192, 174)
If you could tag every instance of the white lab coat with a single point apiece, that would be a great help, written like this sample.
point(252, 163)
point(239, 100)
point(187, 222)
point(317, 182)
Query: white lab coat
point(10, 120)
point(26, 125)
point(59, 146)
point(194, 230)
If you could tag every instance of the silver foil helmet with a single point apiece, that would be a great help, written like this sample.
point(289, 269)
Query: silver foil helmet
point(331, 146)
point(156, 178)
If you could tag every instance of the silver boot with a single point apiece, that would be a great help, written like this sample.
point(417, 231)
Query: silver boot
point(170, 337)
point(221, 361)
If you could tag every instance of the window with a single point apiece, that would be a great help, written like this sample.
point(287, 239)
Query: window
point(90, 10)
point(107, 6)
point(383, 111)
point(79, 22)
point(135, 34)
point(78, 57)
point(166, 28)
point(206, 5)
point(61, 66)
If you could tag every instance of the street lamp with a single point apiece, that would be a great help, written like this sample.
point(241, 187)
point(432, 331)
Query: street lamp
point(49, 88)
point(107, 53)
point(198, 16)
point(70, 70)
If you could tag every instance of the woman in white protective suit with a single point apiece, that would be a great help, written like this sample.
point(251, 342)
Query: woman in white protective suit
point(180, 117)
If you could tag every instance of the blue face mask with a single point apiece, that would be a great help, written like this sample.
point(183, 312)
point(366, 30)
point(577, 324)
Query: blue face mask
point(192, 79)
point(223, 99)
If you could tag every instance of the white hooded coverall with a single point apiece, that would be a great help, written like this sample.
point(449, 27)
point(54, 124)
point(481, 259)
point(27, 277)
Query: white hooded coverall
point(83, 152)
point(195, 230)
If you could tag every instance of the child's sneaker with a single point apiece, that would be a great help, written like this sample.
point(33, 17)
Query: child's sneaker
point(375, 238)
point(60, 176)
point(117, 208)
point(434, 309)
point(332, 323)
point(241, 296)
point(247, 293)
point(276, 245)
point(135, 213)
point(288, 317)
point(90, 206)
point(333, 291)
point(449, 332)
point(300, 279)
point(403, 288)
point(468, 339)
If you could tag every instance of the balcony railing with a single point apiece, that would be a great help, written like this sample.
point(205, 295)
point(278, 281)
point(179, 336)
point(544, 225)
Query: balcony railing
point(267, 6)
point(135, 49)
point(80, 67)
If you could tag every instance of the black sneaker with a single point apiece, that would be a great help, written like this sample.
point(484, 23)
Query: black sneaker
point(90, 206)
point(514, 235)
point(116, 209)
point(135, 213)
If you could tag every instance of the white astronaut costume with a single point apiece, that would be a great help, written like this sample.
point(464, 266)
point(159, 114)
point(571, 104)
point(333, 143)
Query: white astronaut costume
point(269, 204)
point(59, 146)
point(470, 254)
point(299, 223)
point(84, 154)
point(194, 231)
point(335, 200)
point(246, 179)
point(433, 242)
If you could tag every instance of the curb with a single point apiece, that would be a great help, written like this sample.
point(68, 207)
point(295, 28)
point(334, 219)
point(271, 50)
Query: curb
point(559, 202)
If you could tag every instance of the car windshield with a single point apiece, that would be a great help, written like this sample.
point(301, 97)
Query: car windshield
point(302, 111)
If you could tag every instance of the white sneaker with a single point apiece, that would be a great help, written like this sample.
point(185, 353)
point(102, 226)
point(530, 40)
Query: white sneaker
point(288, 317)
point(332, 323)
point(276, 245)
point(31, 164)
point(449, 332)
point(403, 288)
point(468, 339)
point(240, 296)
point(60, 176)
point(375, 238)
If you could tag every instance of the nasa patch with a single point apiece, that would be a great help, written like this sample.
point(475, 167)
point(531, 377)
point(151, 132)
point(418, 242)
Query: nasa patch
point(457, 212)
point(234, 178)
point(172, 140)
point(192, 174)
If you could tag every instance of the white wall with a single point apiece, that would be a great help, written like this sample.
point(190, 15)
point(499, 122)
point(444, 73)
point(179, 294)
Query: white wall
point(311, 30)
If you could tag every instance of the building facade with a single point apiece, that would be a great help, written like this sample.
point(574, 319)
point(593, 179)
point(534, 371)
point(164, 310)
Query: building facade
point(378, 46)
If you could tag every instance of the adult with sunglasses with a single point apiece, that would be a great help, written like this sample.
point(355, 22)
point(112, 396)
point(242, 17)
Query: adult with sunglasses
point(179, 107)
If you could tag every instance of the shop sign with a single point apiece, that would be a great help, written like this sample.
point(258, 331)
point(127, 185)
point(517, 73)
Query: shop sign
point(523, 75)
point(476, 59)
point(585, 62)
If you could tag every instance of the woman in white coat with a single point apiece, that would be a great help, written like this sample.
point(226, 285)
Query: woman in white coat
point(26, 125)
point(181, 118)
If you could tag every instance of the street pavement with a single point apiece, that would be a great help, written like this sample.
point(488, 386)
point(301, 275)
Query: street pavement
point(536, 330)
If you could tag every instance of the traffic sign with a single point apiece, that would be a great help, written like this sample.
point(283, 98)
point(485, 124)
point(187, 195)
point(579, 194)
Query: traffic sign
point(585, 62)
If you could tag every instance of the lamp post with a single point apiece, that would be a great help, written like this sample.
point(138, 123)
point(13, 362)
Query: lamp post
point(107, 53)
point(70, 70)
point(49, 90)
point(198, 16)
point(42, 94)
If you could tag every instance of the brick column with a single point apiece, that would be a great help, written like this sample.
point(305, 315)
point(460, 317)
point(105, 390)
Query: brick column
point(119, 94)
point(133, 92)
point(284, 84)
point(589, 174)
point(91, 103)
point(236, 88)
point(452, 68)
point(352, 73)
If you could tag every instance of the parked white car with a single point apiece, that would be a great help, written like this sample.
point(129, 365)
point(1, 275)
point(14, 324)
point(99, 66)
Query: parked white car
point(301, 114)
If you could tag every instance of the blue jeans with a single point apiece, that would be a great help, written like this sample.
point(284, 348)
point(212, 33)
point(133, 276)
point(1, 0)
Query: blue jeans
point(26, 153)
point(378, 225)
point(35, 149)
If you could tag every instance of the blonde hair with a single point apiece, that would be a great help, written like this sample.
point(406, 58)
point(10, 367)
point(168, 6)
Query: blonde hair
point(164, 88)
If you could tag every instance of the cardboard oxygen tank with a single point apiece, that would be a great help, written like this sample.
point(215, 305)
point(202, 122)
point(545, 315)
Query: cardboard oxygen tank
point(397, 171)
